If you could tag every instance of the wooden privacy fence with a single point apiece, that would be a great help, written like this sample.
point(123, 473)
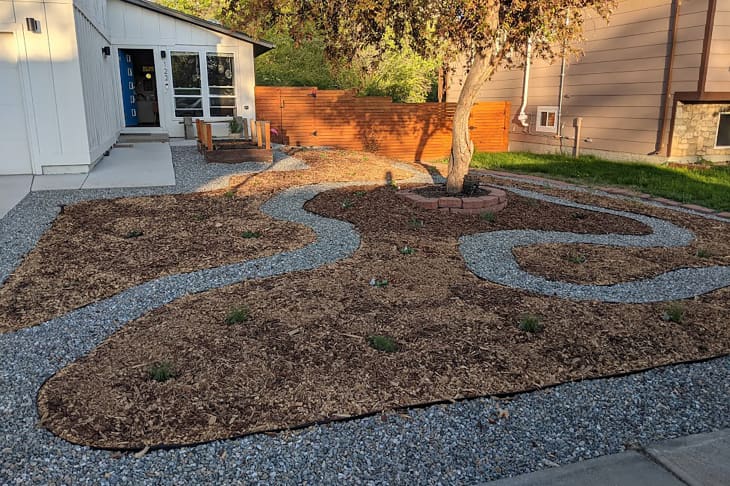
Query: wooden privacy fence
point(405, 131)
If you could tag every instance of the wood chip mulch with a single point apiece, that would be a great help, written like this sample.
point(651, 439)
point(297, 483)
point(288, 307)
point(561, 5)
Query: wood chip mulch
point(88, 254)
point(303, 356)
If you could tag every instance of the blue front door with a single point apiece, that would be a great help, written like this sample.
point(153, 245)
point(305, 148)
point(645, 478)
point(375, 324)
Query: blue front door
point(126, 69)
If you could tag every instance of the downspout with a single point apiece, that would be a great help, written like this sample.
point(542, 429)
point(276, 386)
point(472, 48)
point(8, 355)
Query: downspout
point(523, 117)
point(561, 91)
point(667, 101)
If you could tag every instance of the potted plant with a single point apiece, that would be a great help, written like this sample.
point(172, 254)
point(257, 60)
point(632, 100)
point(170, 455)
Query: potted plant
point(235, 127)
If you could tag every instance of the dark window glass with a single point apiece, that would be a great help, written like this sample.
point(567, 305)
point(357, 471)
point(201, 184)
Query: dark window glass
point(723, 131)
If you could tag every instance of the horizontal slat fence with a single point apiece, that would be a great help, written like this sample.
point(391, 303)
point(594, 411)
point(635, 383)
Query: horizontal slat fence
point(405, 131)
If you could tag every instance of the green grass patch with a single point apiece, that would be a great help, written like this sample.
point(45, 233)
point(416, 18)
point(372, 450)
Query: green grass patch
point(702, 253)
point(530, 323)
point(706, 187)
point(487, 216)
point(382, 343)
point(251, 234)
point(238, 315)
point(161, 371)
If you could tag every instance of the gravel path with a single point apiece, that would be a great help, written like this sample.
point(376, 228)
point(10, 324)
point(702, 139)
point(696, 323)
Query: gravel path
point(489, 255)
point(433, 445)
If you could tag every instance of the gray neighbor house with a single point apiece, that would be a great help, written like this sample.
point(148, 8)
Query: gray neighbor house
point(653, 84)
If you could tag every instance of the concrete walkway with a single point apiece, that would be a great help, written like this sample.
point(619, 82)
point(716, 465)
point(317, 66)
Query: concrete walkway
point(131, 165)
point(697, 460)
point(13, 189)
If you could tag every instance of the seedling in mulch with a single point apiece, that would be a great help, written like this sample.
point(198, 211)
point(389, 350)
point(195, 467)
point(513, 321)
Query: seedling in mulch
point(487, 216)
point(135, 233)
point(382, 343)
point(578, 215)
point(161, 371)
point(673, 313)
point(200, 217)
point(702, 253)
point(416, 223)
point(360, 193)
point(379, 283)
point(251, 234)
point(393, 185)
point(347, 204)
point(229, 194)
point(530, 323)
point(577, 258)
point(407, 250)
point(238, 315)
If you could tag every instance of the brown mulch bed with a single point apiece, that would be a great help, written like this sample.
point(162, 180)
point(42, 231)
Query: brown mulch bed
point(90, 254)
point(85, 256)
point(303, 355)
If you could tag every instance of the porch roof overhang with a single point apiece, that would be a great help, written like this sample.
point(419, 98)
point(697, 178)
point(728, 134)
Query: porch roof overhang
point(259, 46)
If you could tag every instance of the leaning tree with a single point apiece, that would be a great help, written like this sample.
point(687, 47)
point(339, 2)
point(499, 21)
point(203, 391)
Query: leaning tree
point(485, 35)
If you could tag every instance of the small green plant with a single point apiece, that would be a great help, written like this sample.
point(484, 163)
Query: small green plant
point(487, 216)
point(237, 315)
point(673, 313)
point(161, 371)
point(577, 258)
point(229, 194)
point(135, 233)
point(360, 193)
point(407, 250)
point(251, 234)
point(347, 204)
point(200, 217)
point(382, 343)
point(379, 283)
point(530, 323)
point(393, 185)
point(578, 215)
point(702, 253)
point(234, 126)
point(416, 223)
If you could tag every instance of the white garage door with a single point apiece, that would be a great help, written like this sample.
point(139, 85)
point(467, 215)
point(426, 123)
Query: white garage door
point(14, 151)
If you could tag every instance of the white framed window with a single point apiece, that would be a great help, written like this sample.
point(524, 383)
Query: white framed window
point(210, 92)
point(722, 140)
point(221, 84)
point(187, 84)
point(547, 119)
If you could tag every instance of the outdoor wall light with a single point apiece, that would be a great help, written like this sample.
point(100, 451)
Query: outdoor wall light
point(163, 54)
point(33, 25)
point(106, 51)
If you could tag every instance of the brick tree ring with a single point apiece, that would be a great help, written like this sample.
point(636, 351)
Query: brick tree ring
point(487, 200)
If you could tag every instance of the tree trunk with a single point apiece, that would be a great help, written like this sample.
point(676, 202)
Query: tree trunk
point(462, 148)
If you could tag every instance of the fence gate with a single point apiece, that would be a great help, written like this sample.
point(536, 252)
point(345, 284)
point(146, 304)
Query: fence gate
point(290, 111)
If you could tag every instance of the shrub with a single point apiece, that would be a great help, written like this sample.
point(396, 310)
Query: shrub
point(577, 258)
point(673, 313)
point(385, 344)
point(135, 233)
point(347, 204)
point(416, 223)
point(702, 253)
point(530, 323)
point(161, 371)
point(251, 234)
point(407, 250)
point(238, 315)
point(229, 194)
point(487, 216)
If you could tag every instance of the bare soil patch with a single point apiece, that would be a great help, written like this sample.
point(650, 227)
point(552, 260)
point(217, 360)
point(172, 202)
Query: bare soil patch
point(303, 355)
point(92, 252)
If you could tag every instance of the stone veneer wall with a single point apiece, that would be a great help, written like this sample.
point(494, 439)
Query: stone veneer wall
point(695, 131)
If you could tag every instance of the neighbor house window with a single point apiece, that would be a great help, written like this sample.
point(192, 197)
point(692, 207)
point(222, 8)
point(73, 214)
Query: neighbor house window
point(221, 84)
point(186, 81)
point(547, 119)
point(723, 131)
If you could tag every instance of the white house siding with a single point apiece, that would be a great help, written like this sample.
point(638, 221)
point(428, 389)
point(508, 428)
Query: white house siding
point(51, 85)
point(718, 74)
point(136, 27)
point(100, 85)
point(616, 86)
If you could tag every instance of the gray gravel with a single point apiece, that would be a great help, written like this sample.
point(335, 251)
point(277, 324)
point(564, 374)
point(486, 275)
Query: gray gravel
point(433, 445)
point(489, 255)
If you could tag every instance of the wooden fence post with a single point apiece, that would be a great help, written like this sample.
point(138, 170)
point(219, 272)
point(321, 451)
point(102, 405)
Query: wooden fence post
point(267, 131)
point(259, 134)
